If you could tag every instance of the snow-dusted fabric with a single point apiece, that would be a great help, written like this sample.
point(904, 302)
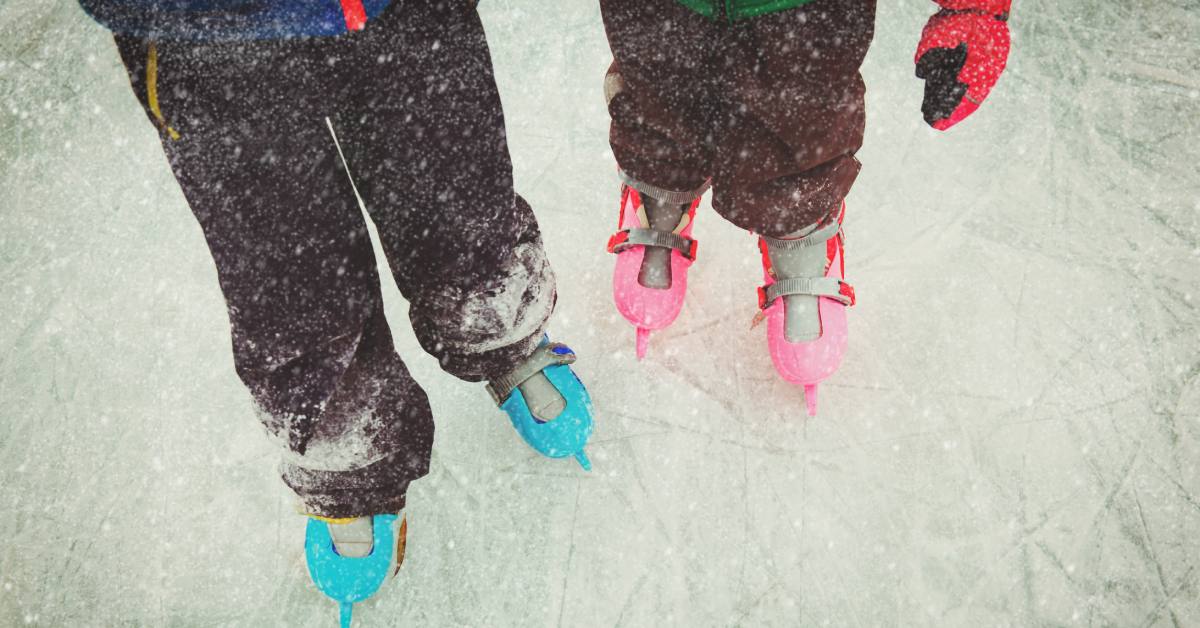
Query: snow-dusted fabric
point(414, 105)
point(770, 108)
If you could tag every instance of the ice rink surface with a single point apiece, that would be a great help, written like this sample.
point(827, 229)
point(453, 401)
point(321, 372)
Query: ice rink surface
point(1013, 440)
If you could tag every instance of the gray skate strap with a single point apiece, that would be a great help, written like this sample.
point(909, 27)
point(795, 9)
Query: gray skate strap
point(652, 237)
point(820, 236)
point(669, 197)
point(816, 286)
point(547, 355)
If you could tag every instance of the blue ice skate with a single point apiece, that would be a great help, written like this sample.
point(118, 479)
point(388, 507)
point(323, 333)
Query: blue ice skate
point(349, 579)
point(560, 422)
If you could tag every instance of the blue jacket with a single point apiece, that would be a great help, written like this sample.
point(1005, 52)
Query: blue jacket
point(213, 20)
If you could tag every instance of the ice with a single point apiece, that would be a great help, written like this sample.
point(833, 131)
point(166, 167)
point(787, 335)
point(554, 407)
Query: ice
point(1014, 437)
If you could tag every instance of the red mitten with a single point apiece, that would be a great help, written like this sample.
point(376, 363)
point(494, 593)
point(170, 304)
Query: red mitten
point(963, 50)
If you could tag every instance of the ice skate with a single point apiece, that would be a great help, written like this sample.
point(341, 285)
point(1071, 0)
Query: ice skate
point(804, 302)
point(547, 404)
point(654, 249)
point(350, 559)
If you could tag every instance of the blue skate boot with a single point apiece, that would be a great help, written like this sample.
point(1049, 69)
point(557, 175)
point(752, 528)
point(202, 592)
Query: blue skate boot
point(349, 559)
point(547, 403)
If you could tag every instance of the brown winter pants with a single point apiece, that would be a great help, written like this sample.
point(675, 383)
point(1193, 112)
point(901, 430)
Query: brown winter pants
point(770, 109)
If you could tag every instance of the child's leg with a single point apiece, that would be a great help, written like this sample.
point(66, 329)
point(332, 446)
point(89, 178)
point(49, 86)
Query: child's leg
point(663, 95)
point(243, 130)
point(786, 160)
point(425, 140)
point(664, 101)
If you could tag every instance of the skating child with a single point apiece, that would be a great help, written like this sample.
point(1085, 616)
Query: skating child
point(244, 96)
point(763, 101)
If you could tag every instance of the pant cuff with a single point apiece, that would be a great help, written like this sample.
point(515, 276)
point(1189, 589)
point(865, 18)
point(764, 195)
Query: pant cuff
point(670, 197)
point(376, 489)
point(350, 505)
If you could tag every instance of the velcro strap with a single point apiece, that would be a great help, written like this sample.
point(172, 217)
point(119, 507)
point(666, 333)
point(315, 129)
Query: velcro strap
point(547, 355)
point(829, 287)
point(627, 238)
point(818, 237)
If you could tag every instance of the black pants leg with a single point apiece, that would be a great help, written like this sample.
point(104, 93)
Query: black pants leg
point(243, 127)
point(423, 134)
point(415, 106)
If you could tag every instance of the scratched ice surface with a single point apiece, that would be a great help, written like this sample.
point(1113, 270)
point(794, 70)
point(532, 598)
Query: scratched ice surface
point(1014, 438)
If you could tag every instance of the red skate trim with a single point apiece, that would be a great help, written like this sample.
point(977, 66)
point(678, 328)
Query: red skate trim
point(842, 257)
point(617, 239)
point(841, 245)
point(621, 209)
point(847, 291)
point(355, 14)
point(766, 261)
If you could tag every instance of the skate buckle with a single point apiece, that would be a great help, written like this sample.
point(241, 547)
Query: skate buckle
point(616, 240)
point(567, 433)
point(826, 287)
point(628, 238)
point(545, 356)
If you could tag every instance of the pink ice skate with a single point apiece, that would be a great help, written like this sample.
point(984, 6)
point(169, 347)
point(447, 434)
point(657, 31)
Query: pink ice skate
point(654, 249)
point(804, 302)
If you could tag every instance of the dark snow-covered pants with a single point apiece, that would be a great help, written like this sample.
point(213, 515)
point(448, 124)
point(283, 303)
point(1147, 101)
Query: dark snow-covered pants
point(769, 108)
point(413, 102)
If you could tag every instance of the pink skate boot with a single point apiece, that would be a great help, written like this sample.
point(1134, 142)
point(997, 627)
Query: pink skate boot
point(804, 302)
point(654, 249)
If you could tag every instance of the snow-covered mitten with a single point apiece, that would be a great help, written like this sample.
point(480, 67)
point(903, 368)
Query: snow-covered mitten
point(963, 50)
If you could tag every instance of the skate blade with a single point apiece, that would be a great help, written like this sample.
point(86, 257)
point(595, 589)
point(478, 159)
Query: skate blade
point(643, 342)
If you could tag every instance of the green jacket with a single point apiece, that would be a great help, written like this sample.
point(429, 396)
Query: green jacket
point(739, 9)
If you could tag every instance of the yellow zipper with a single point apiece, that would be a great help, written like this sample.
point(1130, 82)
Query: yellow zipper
point(152, 90)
